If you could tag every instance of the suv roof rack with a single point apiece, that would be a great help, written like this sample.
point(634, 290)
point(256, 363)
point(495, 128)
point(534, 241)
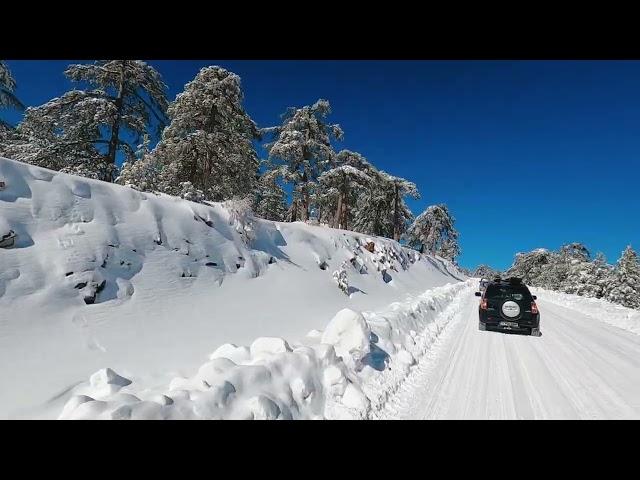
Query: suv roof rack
point(511, 280)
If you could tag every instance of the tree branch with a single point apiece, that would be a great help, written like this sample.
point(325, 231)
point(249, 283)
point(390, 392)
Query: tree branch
point(151, 109)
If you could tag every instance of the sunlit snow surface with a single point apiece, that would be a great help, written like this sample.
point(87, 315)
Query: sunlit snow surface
point(112, 302)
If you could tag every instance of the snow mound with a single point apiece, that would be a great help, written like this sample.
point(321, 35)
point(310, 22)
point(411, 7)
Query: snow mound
point(346, 376)
point(268, 346)
point(349, 334)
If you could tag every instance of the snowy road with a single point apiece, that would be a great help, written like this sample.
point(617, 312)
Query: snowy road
point(581, 368)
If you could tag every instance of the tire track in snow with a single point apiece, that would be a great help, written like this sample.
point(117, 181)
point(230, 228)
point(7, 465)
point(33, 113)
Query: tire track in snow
point(401, 401)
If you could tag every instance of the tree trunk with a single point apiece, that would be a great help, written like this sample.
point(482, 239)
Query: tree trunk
point(210, 127)
point(336, 217)
point(376, 226)
point(345, 211)
point(306, 155)
point(305, 198)
point(115, 126)
point(343, 216)
point(294, 210)
point(396, 221)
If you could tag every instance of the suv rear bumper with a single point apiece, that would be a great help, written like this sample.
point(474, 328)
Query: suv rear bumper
point(518, 325)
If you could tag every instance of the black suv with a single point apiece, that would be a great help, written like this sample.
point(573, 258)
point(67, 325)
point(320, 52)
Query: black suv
point(508, 305)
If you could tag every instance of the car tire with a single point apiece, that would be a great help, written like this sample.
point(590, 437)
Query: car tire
point(535, 332)
point(482, 326)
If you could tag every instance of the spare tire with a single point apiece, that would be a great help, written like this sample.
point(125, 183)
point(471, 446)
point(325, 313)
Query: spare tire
point(510, 309)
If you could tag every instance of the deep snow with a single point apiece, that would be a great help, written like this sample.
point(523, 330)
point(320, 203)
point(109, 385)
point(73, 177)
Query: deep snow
point(345, 372)
point(167, 282)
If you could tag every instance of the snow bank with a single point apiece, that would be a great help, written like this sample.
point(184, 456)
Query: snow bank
point(102, 275)
point(596, 308)
point(359, 361)
point(349, 335)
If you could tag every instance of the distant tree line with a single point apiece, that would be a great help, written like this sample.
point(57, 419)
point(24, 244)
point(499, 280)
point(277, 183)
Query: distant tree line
point(571, 269)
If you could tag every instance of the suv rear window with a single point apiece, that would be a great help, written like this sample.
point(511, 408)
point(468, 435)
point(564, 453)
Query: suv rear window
point(508, 292)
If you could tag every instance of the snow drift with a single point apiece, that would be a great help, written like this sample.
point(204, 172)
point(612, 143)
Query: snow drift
point(347, 372)
point(103, 278)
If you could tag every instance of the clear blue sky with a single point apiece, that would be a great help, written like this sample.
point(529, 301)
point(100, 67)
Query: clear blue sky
point(526, 154)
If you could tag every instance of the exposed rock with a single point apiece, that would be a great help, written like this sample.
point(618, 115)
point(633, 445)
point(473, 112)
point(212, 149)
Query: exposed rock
point(8, 239)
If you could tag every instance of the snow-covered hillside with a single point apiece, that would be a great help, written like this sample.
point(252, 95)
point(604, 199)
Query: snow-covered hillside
point(102, 276)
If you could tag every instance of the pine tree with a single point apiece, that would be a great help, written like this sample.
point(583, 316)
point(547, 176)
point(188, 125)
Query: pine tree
point(269, 200)
point(625, 285)
point(593, 278)
point(303, 144)
point(63, 134)
point(344, 182)
point(381, 208)
point(142, 172)
point(484, 271)
point(131, 91)
point(371, 212)
point(325, 204)
point(82, 131)
point(571, 267)
point(450, 249)
point(401, 214)
point(208, 144)
point(534, 268)
point(8, 98)
point(433, 230)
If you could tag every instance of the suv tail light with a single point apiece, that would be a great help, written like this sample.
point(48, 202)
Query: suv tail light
point(534, 308)
point(483, 304)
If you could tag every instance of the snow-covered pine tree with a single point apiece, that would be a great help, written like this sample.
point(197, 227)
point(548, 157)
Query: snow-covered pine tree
point(344, 182)
point(401, 188)
point(433, 231)
point(594, 277)
point(208, 143)
point(82, 131)
point(625, 284)
point(8, 97)
point(572, 267)
point(63, 134)
point(535, 267)
point(325, 202)
point(269, 199)
point(450, 249)
point(484, 271)
point(341, 278)
point(303, 144)
point(381, 208)
point(142, 172)
point(144, 148)
point(131, 91)
point(371, 215)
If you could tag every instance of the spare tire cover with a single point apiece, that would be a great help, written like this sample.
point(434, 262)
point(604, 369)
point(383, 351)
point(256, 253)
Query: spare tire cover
point(510, 309)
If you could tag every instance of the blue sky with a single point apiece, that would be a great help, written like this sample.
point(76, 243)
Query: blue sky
point(526, 154)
